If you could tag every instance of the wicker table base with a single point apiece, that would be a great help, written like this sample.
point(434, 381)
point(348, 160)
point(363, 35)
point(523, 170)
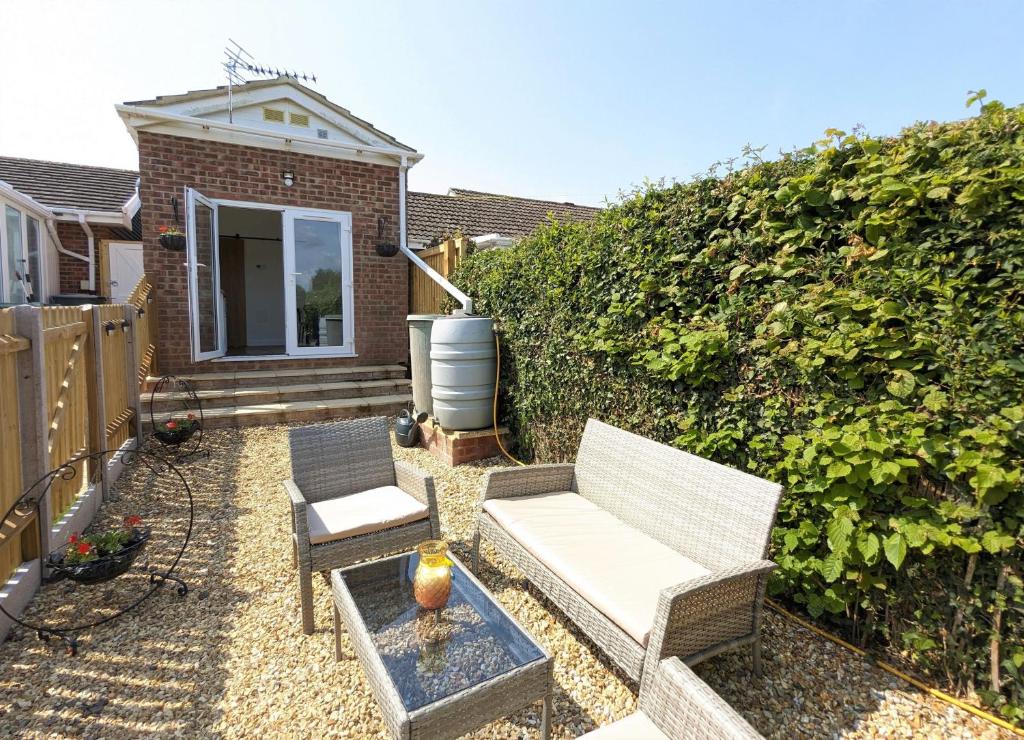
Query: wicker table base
point(438, 674)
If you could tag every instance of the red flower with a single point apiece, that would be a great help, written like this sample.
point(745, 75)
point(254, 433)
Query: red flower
point(73, 539)
point(132, 521)
point(172, 425)
point(163, 229)
point(83, 548)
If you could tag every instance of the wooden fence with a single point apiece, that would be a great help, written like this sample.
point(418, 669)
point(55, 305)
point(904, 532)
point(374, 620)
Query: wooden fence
point(425, 295)
point(69, 386)
point(18, 535)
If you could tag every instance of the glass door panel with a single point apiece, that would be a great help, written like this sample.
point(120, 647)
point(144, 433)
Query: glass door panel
point(35, 267)
point(204, 278)
point(319, 257)
point(15, 271)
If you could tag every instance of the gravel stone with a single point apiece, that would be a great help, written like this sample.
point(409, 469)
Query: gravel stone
point(230, 659)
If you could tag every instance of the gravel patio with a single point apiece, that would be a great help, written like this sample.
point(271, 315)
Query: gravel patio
point(230, 659)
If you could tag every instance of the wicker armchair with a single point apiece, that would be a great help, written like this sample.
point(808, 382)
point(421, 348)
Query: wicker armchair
point(351, 500)
point(691, 532)
point(678, 704)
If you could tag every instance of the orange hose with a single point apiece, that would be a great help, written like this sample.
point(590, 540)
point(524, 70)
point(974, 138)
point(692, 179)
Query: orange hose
point(942, 696)
point(494, 407)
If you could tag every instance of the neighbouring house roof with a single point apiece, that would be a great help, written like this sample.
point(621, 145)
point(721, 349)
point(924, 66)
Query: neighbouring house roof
point(474, 213)
point(60, 185)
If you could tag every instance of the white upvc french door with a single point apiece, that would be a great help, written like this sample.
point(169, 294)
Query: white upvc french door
point(319, 306)
point(209, 336)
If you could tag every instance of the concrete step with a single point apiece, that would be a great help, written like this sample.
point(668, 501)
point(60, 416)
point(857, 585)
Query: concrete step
point(264, 394)
point(294, 376)
point(305, 411)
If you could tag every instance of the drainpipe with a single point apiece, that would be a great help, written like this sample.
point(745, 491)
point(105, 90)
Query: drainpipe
point(466, 301)
point(92, 251)
point(51, 228)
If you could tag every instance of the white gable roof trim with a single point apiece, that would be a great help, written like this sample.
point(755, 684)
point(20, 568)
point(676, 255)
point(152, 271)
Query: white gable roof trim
point(205, 117)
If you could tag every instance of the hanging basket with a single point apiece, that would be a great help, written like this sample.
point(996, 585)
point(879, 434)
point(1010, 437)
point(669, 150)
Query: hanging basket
point(102, 569)
point(173, 242)
point(178, 436)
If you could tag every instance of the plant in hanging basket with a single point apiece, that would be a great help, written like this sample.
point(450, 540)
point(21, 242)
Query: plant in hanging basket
point(101, 556)
point(171, 237)
point(177, 431)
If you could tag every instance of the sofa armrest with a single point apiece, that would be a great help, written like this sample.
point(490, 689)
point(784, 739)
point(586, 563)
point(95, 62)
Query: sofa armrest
point(420, 486)
point(682, 705)
point(528, 481)
point(703, 616)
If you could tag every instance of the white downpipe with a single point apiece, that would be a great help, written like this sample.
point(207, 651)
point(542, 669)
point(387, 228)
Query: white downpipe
point(51, 228)
point(465, 300)
point(92, 251)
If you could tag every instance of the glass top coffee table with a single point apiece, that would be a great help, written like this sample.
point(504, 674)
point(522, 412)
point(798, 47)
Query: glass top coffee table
point(442, 673)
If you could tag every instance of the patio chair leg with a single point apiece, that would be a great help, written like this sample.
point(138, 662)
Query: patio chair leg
point(545, 718)
point(476, 552)
point(756, 651)
point(306, 598)
point(337, 634)
point(295, 553)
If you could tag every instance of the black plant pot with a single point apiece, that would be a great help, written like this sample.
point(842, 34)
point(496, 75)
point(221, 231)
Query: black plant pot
point(174, 242)
point(387, 250)
point(177, 436)
point(102, 569)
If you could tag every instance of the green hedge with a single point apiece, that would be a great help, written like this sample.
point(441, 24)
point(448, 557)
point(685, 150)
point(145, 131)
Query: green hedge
point(847, 320)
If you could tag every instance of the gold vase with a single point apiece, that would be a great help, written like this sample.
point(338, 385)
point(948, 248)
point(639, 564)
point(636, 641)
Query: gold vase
point(432, 582)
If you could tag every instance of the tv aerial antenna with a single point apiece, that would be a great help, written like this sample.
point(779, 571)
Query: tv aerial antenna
point(241, 67)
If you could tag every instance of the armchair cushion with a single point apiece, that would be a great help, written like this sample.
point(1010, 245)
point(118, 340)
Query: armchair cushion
point(637, 726)
point(618, 569)
point(362, 513)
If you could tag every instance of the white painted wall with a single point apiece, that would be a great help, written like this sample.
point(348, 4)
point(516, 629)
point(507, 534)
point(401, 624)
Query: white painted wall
point(264, 293)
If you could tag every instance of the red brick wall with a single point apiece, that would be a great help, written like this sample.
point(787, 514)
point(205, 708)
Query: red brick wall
point(168, 164)
point(73, 272)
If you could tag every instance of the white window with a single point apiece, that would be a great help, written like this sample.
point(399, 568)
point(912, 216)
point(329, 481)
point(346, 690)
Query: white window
point(22, 261)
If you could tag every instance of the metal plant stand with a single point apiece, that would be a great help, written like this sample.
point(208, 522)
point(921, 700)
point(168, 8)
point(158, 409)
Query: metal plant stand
point(185, 439)
point(107, 568)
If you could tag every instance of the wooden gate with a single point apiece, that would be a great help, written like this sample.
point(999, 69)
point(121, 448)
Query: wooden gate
point(65, 339)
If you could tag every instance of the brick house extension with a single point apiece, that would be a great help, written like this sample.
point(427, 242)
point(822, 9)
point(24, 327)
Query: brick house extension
point(284, 199)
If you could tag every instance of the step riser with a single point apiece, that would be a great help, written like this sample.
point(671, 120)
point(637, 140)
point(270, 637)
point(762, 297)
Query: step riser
point(241, 380)
point(249, 418)
point(379, 388)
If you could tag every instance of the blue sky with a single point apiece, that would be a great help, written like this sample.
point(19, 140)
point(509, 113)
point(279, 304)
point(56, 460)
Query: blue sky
point(565, 100)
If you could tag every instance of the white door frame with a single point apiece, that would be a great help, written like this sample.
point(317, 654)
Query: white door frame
point(191, 197)
point(344, 221)
point(288, 216)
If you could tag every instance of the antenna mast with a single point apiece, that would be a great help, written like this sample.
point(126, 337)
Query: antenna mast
point(241, 63)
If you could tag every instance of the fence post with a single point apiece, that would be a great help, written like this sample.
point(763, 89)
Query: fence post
point(34, 412)
point(97, 393)
point(133, 356)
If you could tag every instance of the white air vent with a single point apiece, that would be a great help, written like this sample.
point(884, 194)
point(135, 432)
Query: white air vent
point(272, 114)
point(298, 119)
point(321, 133)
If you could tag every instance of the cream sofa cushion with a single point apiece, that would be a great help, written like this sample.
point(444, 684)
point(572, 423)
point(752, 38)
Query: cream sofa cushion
point(362, 513)
point(618, 569)
point(637, 726)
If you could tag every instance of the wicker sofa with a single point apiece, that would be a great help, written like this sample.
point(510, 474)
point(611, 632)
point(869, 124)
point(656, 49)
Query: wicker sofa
point(678, 704)
point(651, 551)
